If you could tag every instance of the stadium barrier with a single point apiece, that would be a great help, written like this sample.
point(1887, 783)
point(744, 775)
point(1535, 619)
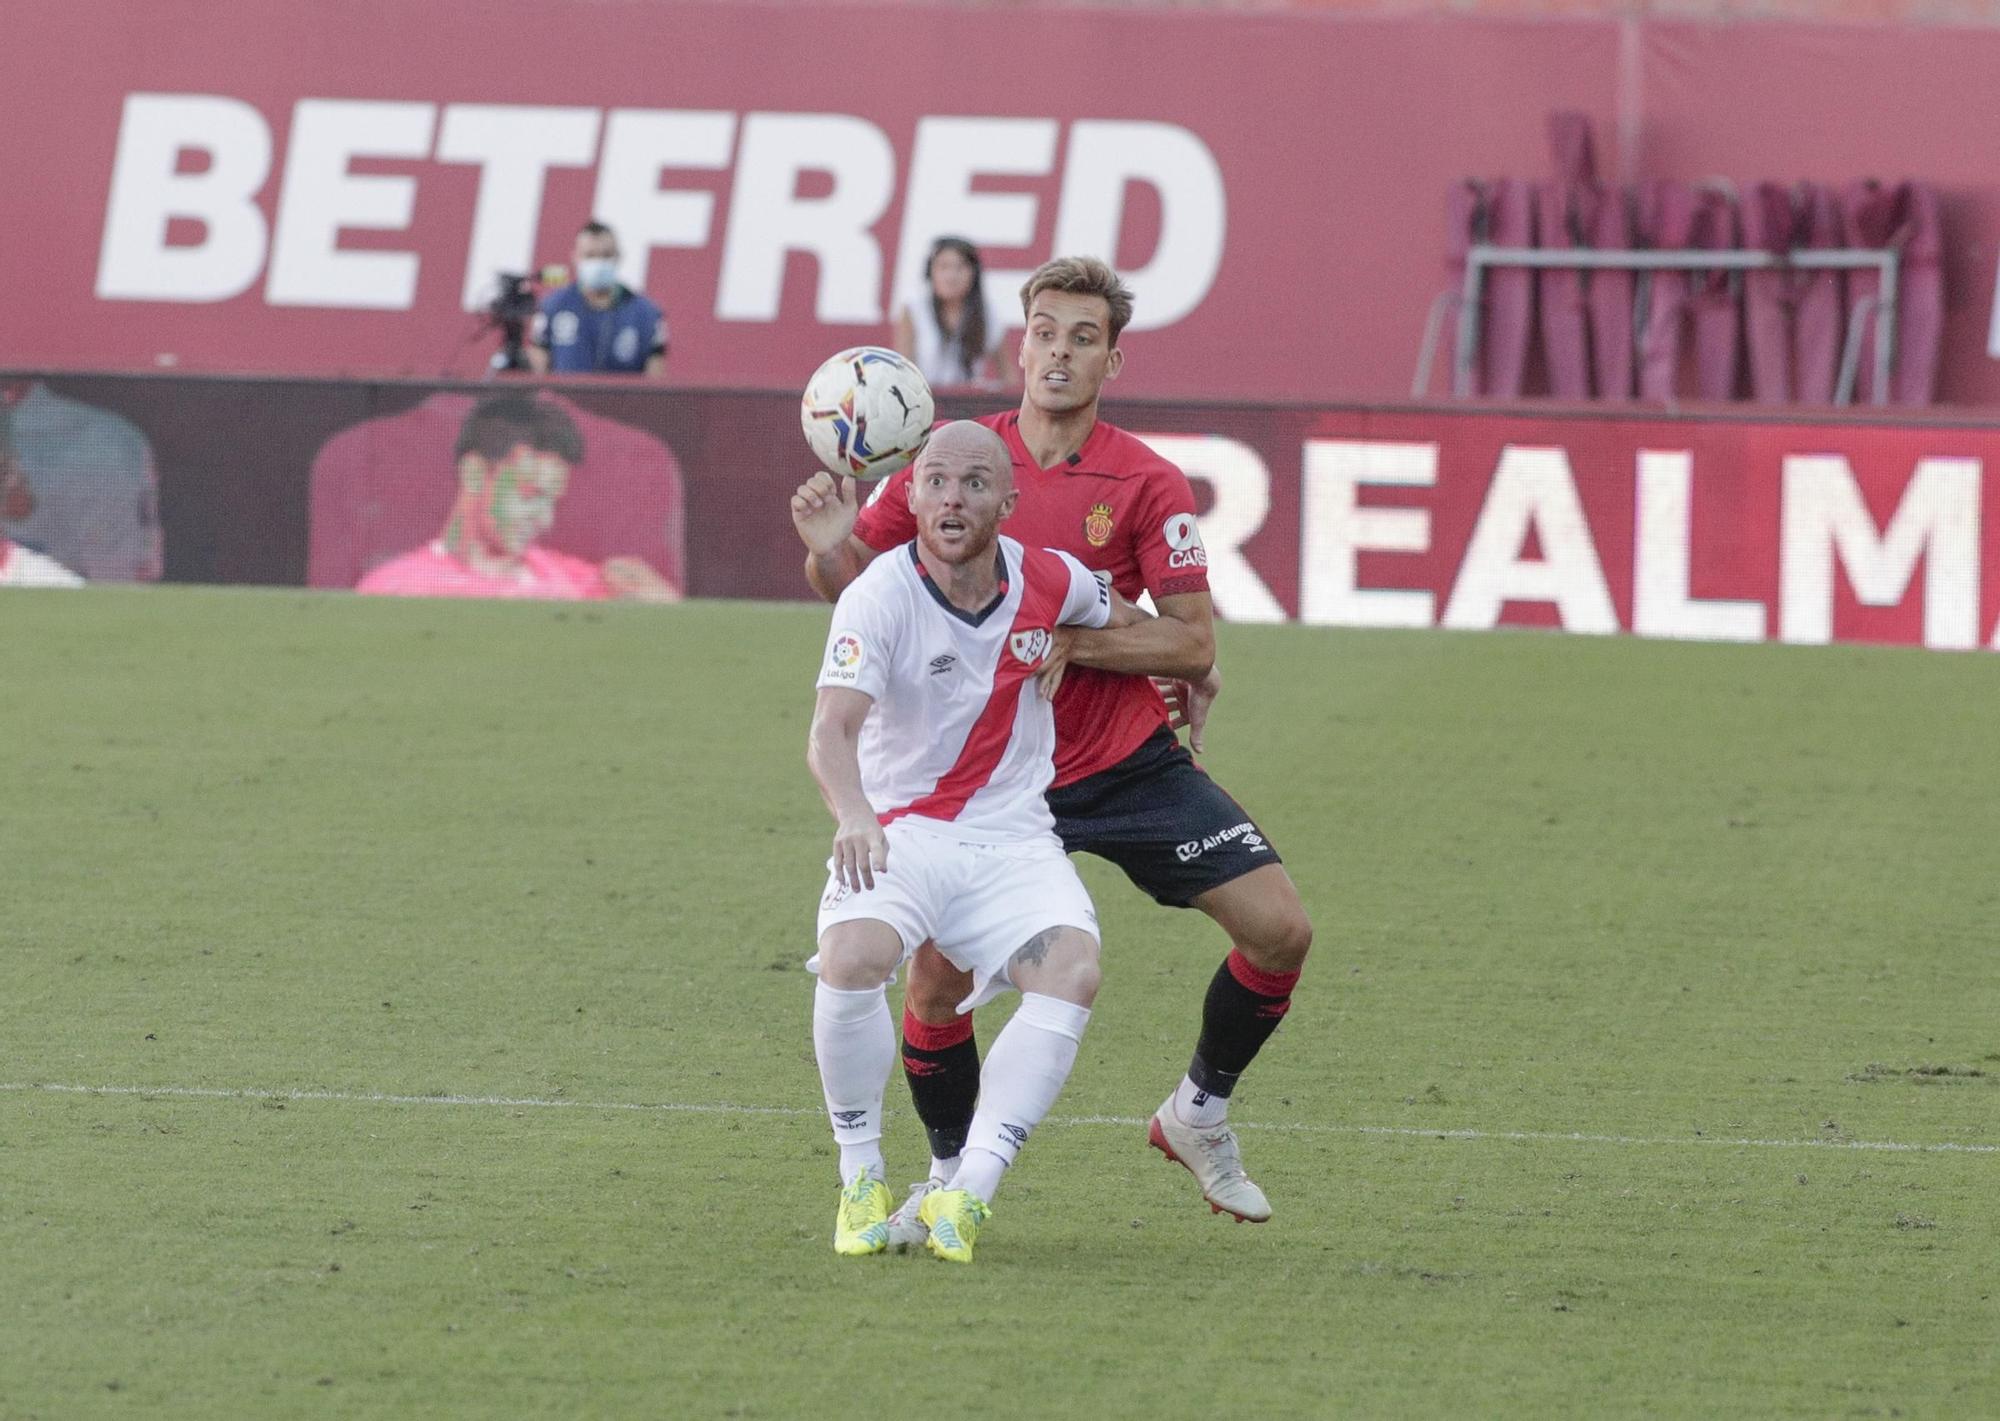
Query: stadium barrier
point(1705, 526)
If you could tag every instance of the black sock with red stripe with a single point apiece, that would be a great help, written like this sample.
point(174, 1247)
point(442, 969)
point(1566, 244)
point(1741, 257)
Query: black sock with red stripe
point(1242, 1009)
point(942, 1065)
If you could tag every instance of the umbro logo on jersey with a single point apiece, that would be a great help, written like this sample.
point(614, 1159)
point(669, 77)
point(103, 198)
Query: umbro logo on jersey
point(1031, 647)
point(847, 1119)
point(942, 664)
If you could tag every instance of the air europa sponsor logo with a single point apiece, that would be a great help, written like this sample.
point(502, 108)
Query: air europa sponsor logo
point(282, 216)
point(1195, 848)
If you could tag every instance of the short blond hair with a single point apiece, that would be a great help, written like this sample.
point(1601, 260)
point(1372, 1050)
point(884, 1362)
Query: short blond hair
point(1081, 276)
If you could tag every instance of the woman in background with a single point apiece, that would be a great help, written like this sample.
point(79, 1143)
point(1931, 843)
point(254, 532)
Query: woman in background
point(951, 326)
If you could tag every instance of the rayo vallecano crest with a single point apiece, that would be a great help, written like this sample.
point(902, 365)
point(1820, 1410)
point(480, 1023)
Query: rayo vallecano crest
point(1030, 647)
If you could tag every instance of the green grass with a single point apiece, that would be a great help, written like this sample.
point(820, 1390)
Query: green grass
point(1668, 897)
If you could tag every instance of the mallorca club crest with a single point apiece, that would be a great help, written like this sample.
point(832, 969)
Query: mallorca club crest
point(1097, 525)
point(1031, 647)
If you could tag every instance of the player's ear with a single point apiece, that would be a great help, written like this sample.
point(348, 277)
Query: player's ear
point(471, 472)
point(1115, 363)
point(1007, 504)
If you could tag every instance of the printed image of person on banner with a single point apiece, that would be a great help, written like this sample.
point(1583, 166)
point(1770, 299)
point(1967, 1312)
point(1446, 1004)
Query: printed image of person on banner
point(515, 457)
point(382, 487)
point(80, 486)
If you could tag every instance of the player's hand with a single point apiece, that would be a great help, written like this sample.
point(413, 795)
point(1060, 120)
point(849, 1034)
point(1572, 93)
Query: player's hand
point(860, 851)
point(824, 510)
point(634, 580)
point(1188, 703)
point(1049, 675)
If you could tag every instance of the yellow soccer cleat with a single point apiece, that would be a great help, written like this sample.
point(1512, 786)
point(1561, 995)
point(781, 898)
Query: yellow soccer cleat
point(954, 1217)
point(861, 1224)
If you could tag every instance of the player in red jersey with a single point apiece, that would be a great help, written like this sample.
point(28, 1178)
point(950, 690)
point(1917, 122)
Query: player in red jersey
point(1125, 789)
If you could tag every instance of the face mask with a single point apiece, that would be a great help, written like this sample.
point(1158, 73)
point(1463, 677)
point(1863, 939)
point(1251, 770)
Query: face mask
point(597, 273)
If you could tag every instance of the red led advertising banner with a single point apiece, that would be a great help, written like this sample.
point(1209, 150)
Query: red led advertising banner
point(1695, 528)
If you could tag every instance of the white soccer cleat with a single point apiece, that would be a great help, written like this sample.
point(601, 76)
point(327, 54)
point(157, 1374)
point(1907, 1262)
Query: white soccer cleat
point(907, 1230)
point(1212, 1157)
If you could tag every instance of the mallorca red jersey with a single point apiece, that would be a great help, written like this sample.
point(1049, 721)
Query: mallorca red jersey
point(1117, 507)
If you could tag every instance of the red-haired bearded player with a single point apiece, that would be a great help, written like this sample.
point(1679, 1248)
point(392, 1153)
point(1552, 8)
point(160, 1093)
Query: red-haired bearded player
point(1124, 788)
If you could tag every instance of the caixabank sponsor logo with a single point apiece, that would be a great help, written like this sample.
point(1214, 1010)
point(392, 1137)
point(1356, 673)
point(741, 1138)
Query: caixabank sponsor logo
point(1183, 537)
point(1195, 848)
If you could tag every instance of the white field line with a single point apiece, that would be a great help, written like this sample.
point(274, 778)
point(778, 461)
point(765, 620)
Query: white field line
point(1570, 1137)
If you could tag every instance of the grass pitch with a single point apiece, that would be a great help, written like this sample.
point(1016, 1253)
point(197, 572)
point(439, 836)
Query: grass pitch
point(446, 959)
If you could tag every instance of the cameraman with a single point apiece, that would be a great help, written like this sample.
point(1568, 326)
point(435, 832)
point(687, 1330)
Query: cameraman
point(597, 324)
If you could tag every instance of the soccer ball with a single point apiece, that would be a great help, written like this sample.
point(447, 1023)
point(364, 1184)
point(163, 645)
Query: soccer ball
point(867, 412)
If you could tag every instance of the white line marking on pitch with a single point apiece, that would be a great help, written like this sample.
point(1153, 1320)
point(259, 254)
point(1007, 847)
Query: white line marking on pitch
point(675, 1108)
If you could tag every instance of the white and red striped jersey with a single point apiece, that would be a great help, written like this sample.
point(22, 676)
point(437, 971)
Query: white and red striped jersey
point(959, 735)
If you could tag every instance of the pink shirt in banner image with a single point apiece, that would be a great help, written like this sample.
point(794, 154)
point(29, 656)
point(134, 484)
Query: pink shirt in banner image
point(430, 571)
point(387, 484)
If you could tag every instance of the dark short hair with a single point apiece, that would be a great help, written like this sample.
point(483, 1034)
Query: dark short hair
point(1082, 276)
point(497, 424)
point(594, 228)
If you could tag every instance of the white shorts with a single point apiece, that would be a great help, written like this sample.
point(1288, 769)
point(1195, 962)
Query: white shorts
point(980, 903)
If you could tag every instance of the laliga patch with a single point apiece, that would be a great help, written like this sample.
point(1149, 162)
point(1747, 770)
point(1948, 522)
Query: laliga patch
point(1097, 525)
point(1183, 537)
point(1031, 647)
point(844, 658)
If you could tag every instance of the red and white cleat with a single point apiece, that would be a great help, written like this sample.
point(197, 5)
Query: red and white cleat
point(1212, 1157)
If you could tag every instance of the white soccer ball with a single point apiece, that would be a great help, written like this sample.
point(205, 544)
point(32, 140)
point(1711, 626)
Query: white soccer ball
point(867, 412)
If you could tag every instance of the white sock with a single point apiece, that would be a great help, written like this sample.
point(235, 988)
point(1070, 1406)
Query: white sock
point(1023, 1074)
point(942, 1170)
point(855, 1042)
point(1203, 1109)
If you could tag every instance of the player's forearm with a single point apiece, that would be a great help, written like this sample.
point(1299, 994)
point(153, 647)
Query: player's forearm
point(829, 573)
point(1157, 646)
point(834, 756)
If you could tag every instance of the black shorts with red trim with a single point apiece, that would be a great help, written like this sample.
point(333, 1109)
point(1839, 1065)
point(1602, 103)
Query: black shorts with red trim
point(1158, 816)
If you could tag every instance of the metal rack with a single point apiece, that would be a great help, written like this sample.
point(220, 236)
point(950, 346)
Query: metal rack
point(1880, 309)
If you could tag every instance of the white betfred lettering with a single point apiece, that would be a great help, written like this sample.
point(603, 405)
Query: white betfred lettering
point(639, 145)
point(1532, 489)
point(135, 262)
point(948, 156)
point(1661, 606)
point(768, 221)
point(1825, 519)
point(514, 146)
point(1241, 483)
point(321, 197)
point(1106, 155)
point(1335, 528)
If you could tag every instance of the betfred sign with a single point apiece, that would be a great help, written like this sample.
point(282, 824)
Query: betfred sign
point(293, 187)
point(184, 220)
